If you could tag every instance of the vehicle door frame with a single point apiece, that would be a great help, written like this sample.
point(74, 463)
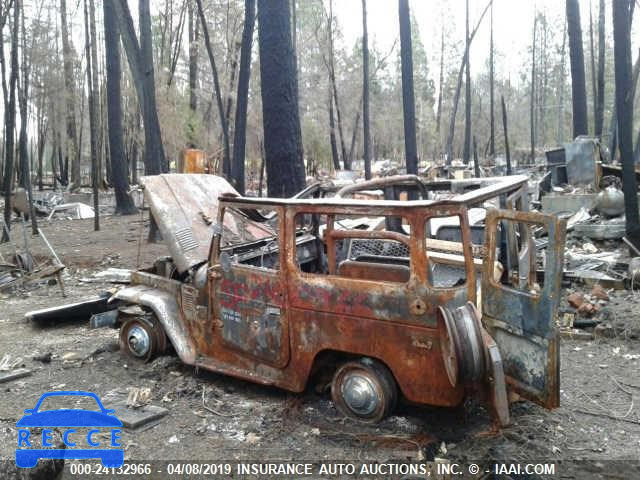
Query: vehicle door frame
point(261, 290)
point(523, 322)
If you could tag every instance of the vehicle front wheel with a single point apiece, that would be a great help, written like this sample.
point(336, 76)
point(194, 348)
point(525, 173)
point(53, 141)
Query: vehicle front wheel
point(364, 390)
point(142, 337)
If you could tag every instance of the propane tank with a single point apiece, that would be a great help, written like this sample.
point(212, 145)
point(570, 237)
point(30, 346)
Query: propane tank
point(610, 202)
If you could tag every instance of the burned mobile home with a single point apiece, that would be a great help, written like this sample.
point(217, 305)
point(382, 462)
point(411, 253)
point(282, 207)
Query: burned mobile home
point(449, 294)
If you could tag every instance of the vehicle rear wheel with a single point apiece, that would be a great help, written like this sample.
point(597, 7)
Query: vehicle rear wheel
point(142, 337)
point(364, 390)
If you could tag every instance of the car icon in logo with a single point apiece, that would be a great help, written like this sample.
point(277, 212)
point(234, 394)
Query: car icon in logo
point(80, 431)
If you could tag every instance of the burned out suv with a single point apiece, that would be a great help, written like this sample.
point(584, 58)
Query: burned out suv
point(432, 292)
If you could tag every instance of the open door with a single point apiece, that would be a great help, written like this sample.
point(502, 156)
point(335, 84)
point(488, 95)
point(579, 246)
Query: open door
point(519, 311)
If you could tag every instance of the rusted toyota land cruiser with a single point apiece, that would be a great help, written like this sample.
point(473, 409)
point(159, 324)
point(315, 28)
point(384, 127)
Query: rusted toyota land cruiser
point(429, 300)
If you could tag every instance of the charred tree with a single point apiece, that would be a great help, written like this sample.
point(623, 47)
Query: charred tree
point(140, 57)
point(456, 96)
point(507, 152)
point(441, 78)
point(532, 117)
point(613, 125)
point(466, 152)
point(335, 156)
point(599, 113)
point(124, 202)
point(283, 151)
point(576, 54)
point(334, 86)
point(408, 97)
point(560, 125)
point(226, 160)
point(232, 81)
point(42, 138)
point(294, 44)
point(96, 90)
point(10, 121)
point(624, 104)
point(476, 163)
point(240, 130)
point(93, 114)
point(492, 133)
point(354, 135)
point(23, 141)
point(194, 34)
point(365, 94)
point(72, 150)
point(592, 61)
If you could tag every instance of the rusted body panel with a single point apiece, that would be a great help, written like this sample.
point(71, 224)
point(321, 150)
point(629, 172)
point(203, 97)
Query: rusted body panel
point(184, 207)
point(279, 298)
point(391, 321)
point(522, 320)
point(167, 310)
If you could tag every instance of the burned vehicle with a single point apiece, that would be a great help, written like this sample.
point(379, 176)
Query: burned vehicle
point(385, 299)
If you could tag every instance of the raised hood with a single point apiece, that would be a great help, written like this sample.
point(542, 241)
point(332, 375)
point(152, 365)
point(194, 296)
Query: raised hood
point(185, 206)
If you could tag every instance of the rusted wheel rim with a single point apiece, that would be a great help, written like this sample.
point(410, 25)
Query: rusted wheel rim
point(461, 344)
point(449, 345)
point(142, 338)
point(364, 390)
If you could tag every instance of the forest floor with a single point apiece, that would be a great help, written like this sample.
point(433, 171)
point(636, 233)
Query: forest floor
point(594, 434)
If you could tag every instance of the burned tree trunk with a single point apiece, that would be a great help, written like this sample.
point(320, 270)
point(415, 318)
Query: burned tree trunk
point(507, 152)
point(23, 96)
point(226, 160)
point(334, 86)
point(194, 33)
point(124, 203)
point(239, 134)
point(365, 94)
point(492, 136)
point(408, 98)
point(578, 87)
point(96, 90)
point(613, 125)
point(441, 80)
point(72, 150)
point(332, 134)
point(140, 57)
point(532, 117)
point(93, 114)
point(624, 104)
point(10, 122)
point(354, 136)
point(466, 152)
point(592, 61)
point(294, 45)
point(560, 124)
point(154, 150)
point(599, 113)
point(456, 96)
point(283, 151)
point(476, 163)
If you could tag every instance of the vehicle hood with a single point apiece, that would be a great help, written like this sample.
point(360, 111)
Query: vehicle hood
point(185, 207)
point(69, 418)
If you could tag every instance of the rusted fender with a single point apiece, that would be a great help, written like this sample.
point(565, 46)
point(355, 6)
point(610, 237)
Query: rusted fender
point(165, 306)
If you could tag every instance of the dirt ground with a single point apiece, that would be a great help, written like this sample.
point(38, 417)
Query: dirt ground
point(594, 434)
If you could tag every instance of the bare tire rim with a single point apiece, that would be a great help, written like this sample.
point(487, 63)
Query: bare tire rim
point(360, 394)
